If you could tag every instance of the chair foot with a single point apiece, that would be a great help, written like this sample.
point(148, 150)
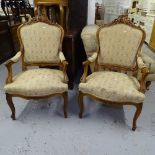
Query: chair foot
point(80, 115)
point(13, 117)
point(81, 105)
point(11, 105)
point(148, 83)
point(133, 129)
point(137, 113)
point(65, 96)
point(65, 115)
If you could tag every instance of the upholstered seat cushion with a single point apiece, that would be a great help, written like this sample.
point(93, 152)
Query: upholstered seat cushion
point(113, 86)
point(37, 82)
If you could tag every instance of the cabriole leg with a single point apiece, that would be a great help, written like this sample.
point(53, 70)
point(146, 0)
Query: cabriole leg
point(11, 105)
point(137, 113)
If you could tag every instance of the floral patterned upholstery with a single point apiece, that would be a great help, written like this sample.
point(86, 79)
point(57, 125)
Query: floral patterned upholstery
point(37, 82)
point(88, 36)
point(113, 81)
point(119, 45)
point(113, 86)
point(41, 43)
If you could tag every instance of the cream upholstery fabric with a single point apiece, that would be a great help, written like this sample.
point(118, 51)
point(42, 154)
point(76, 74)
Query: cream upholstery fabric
point(15, 58)
point(93, 57)
point(88, 36)
point(37, 82)
point(119, 45)
point(62, 57)
point(41, 43)
point(141, 64)
point(113, 86)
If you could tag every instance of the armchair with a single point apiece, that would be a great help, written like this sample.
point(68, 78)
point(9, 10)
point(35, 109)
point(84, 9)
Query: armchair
point(40, 45)
point(117, 56)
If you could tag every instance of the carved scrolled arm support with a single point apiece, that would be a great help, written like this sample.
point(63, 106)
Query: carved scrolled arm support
point(144, 72)
point(9, 64)
point(64, 65)
point(86, 64)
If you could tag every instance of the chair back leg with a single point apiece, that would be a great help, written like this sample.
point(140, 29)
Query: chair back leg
point(81, 105)
point(65, 96)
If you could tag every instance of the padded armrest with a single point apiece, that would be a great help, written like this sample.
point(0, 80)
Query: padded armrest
point(14, 59)
point(141, 63)
point(62, 57)
point(93, 57)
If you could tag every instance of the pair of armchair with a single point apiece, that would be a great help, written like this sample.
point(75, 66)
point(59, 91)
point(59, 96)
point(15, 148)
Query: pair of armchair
point(113, 80)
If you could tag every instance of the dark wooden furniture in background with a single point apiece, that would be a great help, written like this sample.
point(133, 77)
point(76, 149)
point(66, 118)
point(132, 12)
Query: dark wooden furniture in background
point(6, 44)
point(72, 20)
point(14, 10)
point(59, 7)
point(69, 50)
point(77, 14)
point(76, 22)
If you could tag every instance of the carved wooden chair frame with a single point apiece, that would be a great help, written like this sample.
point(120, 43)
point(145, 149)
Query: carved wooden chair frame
point(144, 70)
point(62, 65)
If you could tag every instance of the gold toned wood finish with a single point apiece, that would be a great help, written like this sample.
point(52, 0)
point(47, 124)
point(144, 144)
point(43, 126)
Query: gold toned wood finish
point(48, 2)
point(143, 84)
point(121, 20)
point(65, 96)
point(11, 105)
point(62, 65)
point(85, 66)
point(9, 68)
point(137, 105)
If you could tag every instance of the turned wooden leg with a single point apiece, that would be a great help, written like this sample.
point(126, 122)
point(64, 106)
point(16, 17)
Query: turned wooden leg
point(11, 105)
point(81, 105)
point(148, 83)
point(137, 113)
point(65, 96)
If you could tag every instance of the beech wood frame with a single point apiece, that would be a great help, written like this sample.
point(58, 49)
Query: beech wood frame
point(62, 65)
point(121, 20)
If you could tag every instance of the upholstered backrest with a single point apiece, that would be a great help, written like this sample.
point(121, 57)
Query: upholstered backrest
point(119, 44)
point(88, 36)
point(41, 42)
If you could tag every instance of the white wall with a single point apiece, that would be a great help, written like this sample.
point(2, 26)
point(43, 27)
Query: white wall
point(31, 1)
point(91, 12)
point(91, 7)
